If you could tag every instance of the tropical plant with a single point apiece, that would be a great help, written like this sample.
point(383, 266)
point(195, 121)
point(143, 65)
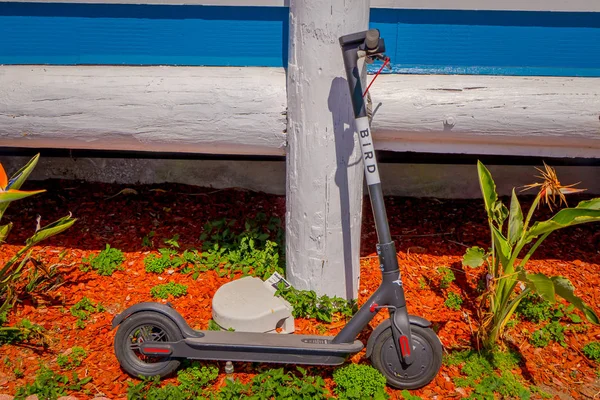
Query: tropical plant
point(13, 269)
point(510, 236)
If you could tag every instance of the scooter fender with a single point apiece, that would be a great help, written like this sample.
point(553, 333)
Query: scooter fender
point(164, 309)
point(413, 319)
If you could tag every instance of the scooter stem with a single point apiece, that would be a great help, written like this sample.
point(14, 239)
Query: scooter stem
point(391, 293)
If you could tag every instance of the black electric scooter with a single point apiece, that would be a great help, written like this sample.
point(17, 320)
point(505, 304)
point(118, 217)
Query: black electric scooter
point(153, 337)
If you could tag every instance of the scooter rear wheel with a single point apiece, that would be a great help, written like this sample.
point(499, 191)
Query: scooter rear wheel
point(427, 353)
point(146, 327)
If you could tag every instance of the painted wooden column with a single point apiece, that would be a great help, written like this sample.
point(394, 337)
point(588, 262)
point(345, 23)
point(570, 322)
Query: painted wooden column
point(324, 169)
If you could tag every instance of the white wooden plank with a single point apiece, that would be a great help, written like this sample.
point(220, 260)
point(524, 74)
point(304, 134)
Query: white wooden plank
point(181, 109)
point(239, 111)
point(517, 5)
point(535, 116)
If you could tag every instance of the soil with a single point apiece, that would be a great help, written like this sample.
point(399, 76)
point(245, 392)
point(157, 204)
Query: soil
point(430, 233)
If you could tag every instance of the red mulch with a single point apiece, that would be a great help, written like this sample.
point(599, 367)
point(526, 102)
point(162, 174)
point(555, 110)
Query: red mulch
point(430, 233)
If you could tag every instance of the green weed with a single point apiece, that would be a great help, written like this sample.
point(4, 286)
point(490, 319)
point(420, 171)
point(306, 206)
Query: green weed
point(251, 251)
point(106, 262)
point(553, 331)
point(270, 384)
point(278, 384)
point(169, 289)
point(147, 240)
point(213, 326)
point(592, 351)
point(453, 301)
point(173, 242)
point(83, 309)
point(535, 309)
point(447, 277)
point(73, 359)
point(307, 304)
point(407, 396)
point(489, 374)
point(359, 381)
point(168, 259)
point(49, 385)
point(194, 379)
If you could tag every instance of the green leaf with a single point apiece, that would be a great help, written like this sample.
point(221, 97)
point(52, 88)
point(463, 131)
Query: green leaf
point(564, 288)
point(500, 213)
point(17, 180)
point(51, 229)
point(488, 189)
point(12, 195)
point(503, 250)
point(515, 221)
point(564, 218)
point(540, 284)
point(593, 204)
point(4, 231)
point(474, 257)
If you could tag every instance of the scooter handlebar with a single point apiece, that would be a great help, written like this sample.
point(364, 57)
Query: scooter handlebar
point(367, 44)
point(372, 39)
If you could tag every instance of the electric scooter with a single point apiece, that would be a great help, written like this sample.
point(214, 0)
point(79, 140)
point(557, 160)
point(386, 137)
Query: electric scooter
point(152, 338)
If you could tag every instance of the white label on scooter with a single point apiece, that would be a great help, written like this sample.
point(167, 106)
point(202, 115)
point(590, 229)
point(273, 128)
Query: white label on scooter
point(368, 151)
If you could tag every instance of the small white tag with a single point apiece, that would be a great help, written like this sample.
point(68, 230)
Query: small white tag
point(273, 282)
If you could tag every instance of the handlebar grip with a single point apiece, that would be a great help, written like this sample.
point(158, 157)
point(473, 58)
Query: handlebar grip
point(372, 39)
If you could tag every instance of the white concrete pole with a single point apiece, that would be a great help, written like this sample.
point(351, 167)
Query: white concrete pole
point(324, 168)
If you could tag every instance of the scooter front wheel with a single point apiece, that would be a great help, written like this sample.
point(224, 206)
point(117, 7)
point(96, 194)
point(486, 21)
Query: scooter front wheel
point(427, 353)
point(146, 327)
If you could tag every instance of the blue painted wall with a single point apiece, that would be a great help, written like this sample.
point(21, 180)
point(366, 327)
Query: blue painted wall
point(42, 33)
point(491, 42)
point(419, 41)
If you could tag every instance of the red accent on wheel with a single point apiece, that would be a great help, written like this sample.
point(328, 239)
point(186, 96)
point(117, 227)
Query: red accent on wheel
point(404, 346)
point(373, 306)
point(156, 350)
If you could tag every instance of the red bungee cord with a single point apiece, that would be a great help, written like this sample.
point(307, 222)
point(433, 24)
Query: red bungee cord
point(387, 60)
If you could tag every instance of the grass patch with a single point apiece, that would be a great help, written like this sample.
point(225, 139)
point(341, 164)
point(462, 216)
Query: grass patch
point(49, 385)
point(592, 351)
point(489, 376)
point(106, 262)
point(453, 301)
point(169, 289)
point(168, 259)
point(359, 381)
point(73, 359)
point(307, 304)
point(446, 277)
point(83, 309)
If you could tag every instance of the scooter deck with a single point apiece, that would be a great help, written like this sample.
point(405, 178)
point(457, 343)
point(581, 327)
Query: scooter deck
point(262, 347)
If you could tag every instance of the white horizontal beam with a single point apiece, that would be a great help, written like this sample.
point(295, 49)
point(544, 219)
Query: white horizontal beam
point(240, 111)
point(530, 116)
point(509, 5)
point(173, 109)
